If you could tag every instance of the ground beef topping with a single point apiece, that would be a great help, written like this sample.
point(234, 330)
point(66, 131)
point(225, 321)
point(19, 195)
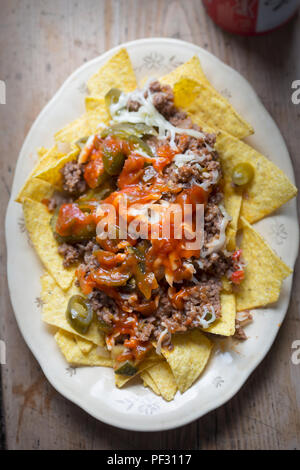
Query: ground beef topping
point(202, 299)
point(57, 199)
point(73, 181)
point(104, 306)
point(74, 253)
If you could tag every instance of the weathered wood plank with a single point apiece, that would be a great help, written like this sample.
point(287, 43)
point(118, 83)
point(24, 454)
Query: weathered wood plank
point(41, 43)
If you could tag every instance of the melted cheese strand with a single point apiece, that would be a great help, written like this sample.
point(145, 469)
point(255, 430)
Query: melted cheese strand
point(148, 114)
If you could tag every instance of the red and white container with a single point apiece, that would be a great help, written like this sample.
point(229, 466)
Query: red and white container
point(251, 17)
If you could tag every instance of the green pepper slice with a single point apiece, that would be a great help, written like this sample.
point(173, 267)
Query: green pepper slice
point(131, 133)
point(143, 279)
point(99, 193)
point(126, 368)
point(53, 221)
point(140, 144)
point(112, 97)
point(127, 128)
point(113, 161)
point(242, 174)
point(82, 140)
point(79, 314)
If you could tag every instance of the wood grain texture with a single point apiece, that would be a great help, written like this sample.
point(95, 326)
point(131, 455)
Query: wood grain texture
point(41, 43)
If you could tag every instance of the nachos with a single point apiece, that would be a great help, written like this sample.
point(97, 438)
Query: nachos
point(121, 291)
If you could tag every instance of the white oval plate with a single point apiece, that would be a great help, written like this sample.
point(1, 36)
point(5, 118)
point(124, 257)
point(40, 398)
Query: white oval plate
point(93, 389)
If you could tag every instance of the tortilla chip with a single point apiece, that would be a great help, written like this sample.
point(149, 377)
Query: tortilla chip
point(51, 172)
point(188, 358)
point(192, 69)
point(149, 361)
point(87, 124)
point(55, 302)
point(232, 202)
point(41, 151)
point(149, 382)
point(225, 325)
point(270, 187)
point(49, 159)
point(84, 345)
point(226, 285)
point(116, 73)
point(74, 130)
point(97, 120)
point(37, 221)
point(70, 349)
point(205, 105)
point(163, 378)
point(93, 103)
point(264, 271)
point(35, 189)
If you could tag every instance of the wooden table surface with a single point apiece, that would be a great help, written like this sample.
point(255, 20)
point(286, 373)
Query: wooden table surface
point(41, 43)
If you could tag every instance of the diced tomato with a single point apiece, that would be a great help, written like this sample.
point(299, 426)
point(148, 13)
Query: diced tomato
point(109, 259)
point(237, 276)
point(93, 172)
point(132, 171)
point(177, 298)
point(165, 156)
point(236, 255)
point(71, 220)
point(131, 343)
point(193, 195)
point(85, 283)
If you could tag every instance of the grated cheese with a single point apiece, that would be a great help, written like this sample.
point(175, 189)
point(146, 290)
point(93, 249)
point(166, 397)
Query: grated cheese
point(149, 115)
point(160, 340)
point(206, 310)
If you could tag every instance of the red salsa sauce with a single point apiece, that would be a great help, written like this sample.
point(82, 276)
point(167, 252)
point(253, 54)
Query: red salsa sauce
point(118, 259)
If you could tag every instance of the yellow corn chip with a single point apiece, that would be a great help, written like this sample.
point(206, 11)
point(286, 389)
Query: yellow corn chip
point(37, 220)
point(264, 271)
point(149, 361)
point(205, 105)
point(116, 73)
point(74, 130)
point(41, 151)
point(232, 202)
point(87, 124)
point(226, 285)
point(164, 380)
point(97, 120)
point(149, 382)
point(49, 158)
point(51, 172)
point(84, 345)
point(70, 349)
point(188, 358)
point(270, 187)
point(55, 302)
point(225, 325)
point(35, 189)
point(192, 69)
point(93, 103)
